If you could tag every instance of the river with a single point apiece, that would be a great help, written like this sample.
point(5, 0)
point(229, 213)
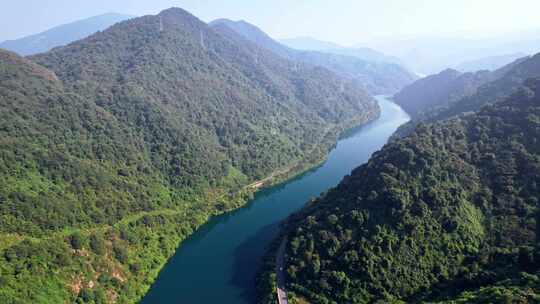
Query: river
point(218, 263)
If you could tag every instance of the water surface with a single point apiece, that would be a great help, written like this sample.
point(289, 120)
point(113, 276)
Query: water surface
point(218, 263)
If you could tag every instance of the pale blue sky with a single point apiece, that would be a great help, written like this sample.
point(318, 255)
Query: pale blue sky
point(342, 21)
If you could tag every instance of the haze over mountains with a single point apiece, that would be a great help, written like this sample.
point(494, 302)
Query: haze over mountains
point(312, 44)
point(378, 73)
point(375, 77)
point(62, 35)
point(309, 44)
point(452, 93)
point(431, 55)
point(488, 63)
point(420, 55)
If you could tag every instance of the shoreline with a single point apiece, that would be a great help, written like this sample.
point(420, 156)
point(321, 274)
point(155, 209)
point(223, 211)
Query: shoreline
point(276, 251)
point(242, 198)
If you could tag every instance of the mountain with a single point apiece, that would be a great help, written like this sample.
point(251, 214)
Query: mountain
point(439, 90)
point(488, 63)
point(376, 77)
point(448, 214)
point(466, 96)
point(364, 53)
point(117, 147)
point(62, 35)
point(507, 80)
point(255, 35)
point(309, 44)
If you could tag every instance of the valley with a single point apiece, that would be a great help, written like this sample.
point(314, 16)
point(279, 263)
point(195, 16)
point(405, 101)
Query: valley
point(186, 155)
point(220, 261)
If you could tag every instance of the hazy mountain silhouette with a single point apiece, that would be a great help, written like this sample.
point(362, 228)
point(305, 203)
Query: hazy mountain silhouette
point(309, 44)
point(376, 77)
point(431, 55)
point(62, 35)
point(364, 53)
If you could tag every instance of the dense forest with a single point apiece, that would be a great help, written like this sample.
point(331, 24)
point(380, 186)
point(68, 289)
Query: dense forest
point(376, 77)
point(447, 214)
point(116, 147)
point(439, 90)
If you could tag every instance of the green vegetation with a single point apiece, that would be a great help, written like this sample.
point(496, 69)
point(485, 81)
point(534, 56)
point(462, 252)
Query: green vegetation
point(442, 96)
point(117, 147)
point(447, 214)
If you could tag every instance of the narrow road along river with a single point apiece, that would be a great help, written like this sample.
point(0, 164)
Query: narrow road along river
point(219, 262)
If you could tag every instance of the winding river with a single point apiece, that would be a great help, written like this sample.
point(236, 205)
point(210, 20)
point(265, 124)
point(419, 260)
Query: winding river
point(219, 262)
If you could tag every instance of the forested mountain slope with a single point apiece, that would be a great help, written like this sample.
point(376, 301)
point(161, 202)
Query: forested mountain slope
point(376, 77)
point(116, 147)
point(62, 35)
point(448, 214)
point(439, 90)
point(502, 83)
point(509, 80)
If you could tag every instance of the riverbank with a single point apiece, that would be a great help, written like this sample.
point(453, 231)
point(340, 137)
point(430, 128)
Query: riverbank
point(219, 262)
point(268, 276)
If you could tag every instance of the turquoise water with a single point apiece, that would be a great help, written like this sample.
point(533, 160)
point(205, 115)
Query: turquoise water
point(219, 262)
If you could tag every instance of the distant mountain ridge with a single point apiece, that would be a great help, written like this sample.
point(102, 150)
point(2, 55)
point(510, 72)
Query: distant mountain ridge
point(470, 93)
point(491, 63)
point(309, 44)
point(440, 90)
point(62, 35)
point(376, 77)
point(364, 53)
point(255, 35)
